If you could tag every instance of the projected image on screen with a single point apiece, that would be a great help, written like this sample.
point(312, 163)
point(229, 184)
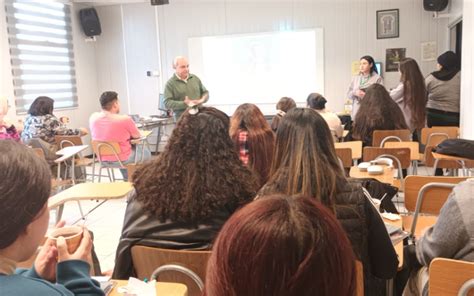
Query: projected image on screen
point(259, 68)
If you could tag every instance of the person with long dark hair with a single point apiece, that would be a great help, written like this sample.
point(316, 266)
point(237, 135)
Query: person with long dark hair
point(41, 123)
point(305, 162)
point(444, 91)
point(410, 94)
point(283, 106)
point(183, 197)
point(367, 76)
point(377, 112)
point(281, 245)
point(25, 186)
point(253, 139)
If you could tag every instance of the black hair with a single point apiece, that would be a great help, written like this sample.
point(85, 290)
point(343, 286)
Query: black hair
point(370, 59)
point(107, 98)
point(41, 106)
point(316, 101)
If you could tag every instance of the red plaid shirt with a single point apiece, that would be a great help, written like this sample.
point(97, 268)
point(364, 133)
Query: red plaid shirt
point(243, 147)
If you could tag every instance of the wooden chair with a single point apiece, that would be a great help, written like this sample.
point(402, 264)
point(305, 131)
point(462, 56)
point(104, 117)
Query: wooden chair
point(345, 157)
point(80, 161)
point(101, 149)
point(450, 277)
point(147, 259)
point(356, 149)
point(360, 278)
point(427, 195)
point(432, 136)
point(414, 151)
point(380, 136)
point(401, 157)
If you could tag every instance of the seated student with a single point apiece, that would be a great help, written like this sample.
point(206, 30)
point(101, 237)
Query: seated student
point(183, 197)
point(450, 237)
point(283, 106)
point(111, 126)
point(40, 123)
point(377, 112)
point(8, 131)
point(281, 245)
point(309, 166)
point(318, 102)
point(253, 139)
point(25, 184)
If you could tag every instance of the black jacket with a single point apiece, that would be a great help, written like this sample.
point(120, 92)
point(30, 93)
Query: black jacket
point(368, 235)
point(139, 228)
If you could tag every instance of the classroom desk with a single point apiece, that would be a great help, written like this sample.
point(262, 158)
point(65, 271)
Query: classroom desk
point(386, 177)
point(67, 153)
point(89, 191)
point(156, 122)
point(144, 134)
point(162, 288)
point(461, 160)
point(356, 149)
point(422, 223)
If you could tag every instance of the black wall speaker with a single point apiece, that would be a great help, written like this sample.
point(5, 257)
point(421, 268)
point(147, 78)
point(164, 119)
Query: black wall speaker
point(159, 2)
point(435, 5)
point(90, 22)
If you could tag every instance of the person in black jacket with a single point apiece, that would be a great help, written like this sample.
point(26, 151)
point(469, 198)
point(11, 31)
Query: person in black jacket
point(183, 198)
point(305, 162)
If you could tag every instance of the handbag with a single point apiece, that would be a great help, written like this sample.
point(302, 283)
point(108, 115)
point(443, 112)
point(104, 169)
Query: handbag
point(456, 147)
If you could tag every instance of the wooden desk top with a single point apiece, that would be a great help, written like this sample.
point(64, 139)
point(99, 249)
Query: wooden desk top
point(162, 288)
point(399, 246)
point(386, 177)
point(88, 191)
point(145, 134)
point(355, 146)
point(422, 223)
point(449, 157)
point(413, 146)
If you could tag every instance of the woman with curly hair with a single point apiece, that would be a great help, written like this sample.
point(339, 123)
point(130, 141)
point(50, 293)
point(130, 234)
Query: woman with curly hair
point(377, 112)
point(253, 139)
point(284, 105)
point(183, 197)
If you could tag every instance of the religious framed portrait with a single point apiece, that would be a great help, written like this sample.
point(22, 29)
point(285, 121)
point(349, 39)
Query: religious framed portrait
point(388, 24)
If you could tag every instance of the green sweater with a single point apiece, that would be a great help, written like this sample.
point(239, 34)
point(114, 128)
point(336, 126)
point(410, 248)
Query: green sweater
point(72, 277)
point(176, 89)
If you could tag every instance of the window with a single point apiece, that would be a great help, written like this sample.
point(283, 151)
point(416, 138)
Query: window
point(42, 58)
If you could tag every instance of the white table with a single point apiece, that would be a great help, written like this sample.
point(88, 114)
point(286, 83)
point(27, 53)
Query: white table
point(67, 153)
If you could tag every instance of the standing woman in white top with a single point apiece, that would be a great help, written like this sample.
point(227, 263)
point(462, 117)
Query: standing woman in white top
point(368, 75)
point(410, 95)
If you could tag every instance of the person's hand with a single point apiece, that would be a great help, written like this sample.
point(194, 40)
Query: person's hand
point(360, 93)
point(83, 131)
point(188, 101)
point(46, 261)
point(83, 252)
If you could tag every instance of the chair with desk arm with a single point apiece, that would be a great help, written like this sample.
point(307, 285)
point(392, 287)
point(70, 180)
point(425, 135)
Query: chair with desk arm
point(101, 149)
point(427, 195)
point(450, 277)
point(379, 137)
point(179, 266)
point(79, 160)
point(400, 156)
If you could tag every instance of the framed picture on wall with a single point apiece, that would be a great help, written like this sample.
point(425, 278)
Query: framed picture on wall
point(388, 24)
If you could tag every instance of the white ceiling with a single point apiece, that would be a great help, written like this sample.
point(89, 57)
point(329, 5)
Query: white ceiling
point(108, 2)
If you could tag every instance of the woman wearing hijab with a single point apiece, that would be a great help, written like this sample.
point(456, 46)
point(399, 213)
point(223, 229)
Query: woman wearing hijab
point(444, 89)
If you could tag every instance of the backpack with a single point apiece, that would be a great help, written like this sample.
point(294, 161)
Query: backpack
point(456, 147)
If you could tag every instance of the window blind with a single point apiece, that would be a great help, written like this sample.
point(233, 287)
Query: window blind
point(41, 50)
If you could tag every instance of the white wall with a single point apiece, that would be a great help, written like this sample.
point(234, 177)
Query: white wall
point(84, 55)
point(467, 78)
point(349, 32)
